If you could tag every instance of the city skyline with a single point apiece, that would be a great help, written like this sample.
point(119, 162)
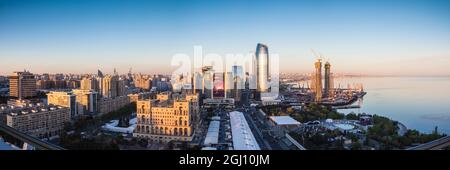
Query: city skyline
point(374, 38)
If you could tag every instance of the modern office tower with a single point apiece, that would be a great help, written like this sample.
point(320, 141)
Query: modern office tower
point(208, 80)
point(262, 67)
point(106, 87)
point(99, 79)
point(65, 99)
point(121, 89)
point(229, 85)
point(39, 120)
point(99, 85)
point(238, 82)
point(22, 85)
point(166, 120)
point(198, 83)
point(238, 73)
point(87, 101)
point(318, 81)
point(142, 82)
point(130, 75)
point(218, 89)
point(99, 73)
point(89, 83)
point(110, 86)
point(328, 81)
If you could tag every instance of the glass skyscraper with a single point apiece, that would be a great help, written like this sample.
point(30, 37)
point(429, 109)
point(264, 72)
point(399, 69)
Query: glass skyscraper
point(262, 67)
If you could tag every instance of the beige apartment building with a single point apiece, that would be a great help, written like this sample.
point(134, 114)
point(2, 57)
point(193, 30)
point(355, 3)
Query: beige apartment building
point(89, 83)
point(87, 101)
point(166, 118)
point(107, 105)
point(38, 120)
point(65, 99)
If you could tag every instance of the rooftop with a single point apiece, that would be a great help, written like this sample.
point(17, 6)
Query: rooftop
point(29, 108)
point(212, 137)
point(284, 120)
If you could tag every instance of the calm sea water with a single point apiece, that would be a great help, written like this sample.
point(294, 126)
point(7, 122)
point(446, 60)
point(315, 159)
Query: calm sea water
point(418, 102)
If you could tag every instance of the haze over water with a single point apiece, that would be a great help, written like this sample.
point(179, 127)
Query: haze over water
point(418, 102)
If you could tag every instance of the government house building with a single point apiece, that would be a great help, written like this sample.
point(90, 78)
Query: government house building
point(169, 117)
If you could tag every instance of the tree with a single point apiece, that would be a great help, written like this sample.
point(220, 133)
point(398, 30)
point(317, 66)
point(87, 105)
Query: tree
point(143, 142)
point(352, 116)
point(68, 127)
point(290, 110)
point(170, 145)
point(356, 146)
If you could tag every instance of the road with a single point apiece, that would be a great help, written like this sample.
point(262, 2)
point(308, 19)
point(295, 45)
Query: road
point(261, 130)
point(263, 144)
point(437, 144)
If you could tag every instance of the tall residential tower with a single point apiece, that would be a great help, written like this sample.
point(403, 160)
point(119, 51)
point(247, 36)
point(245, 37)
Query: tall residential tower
point(328, 81)
point(318, 81)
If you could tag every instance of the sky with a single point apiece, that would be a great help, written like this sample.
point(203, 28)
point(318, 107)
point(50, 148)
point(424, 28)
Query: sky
point(402, 37)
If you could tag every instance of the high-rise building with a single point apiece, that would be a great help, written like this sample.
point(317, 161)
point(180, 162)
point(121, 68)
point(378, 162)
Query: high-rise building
point(109, 86)
point(208, 81)
point(238, 82)
point(22, 85)
point(194, 99)
point(166, 119)
point(87, 101)
point(198, 83)
point(89, 83)
point(121, 89)
point(218, 88)
point(328, 80)
point(262, 67)
point(318, 81)
point(238, 72)
point(229, 85)
point(65, 99)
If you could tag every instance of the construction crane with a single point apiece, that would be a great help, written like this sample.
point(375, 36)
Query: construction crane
point(318, 55)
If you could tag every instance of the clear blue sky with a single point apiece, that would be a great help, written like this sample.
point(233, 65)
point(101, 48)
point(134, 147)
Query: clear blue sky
point(367, 37)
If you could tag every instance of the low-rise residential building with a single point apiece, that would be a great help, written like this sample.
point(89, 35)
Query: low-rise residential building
point(38, 120)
